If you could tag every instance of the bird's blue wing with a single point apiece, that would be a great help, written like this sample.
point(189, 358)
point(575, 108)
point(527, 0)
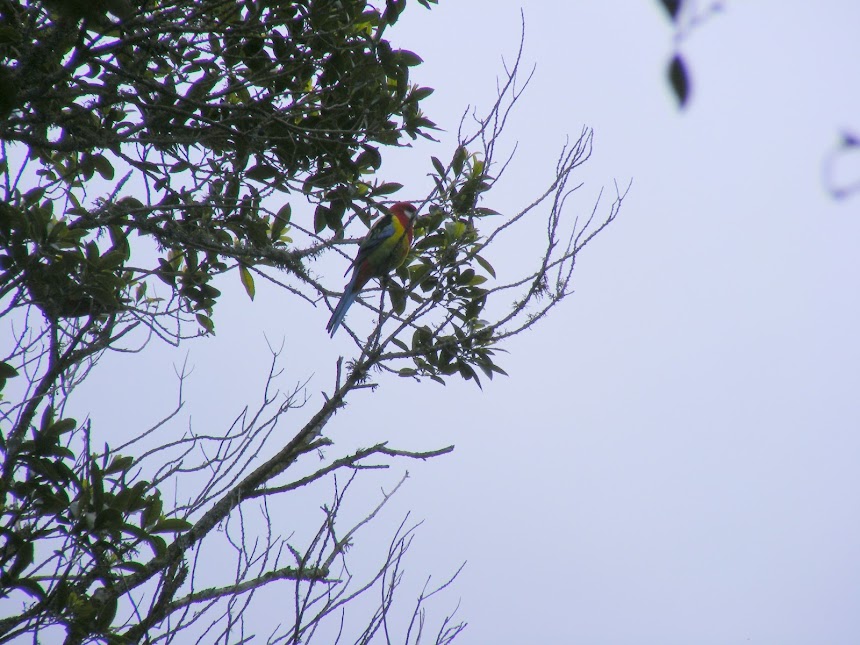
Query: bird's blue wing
point(381, 230)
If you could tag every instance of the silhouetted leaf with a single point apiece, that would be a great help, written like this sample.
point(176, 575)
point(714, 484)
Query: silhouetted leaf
point(369, 158)
point(672, 7)
point(63, 426)
point(261, 172)
point(30, 587)
point(850, 140)
point(679, 80)
point(460, 156)
point(103, 167)
point(119, 464)
point(398, 298)
point(7, 371)
point(393, 9)
point(410, 59)
point(151, 512)
point(421, 93)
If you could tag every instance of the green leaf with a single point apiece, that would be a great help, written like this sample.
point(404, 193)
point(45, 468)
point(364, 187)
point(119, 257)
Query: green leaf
point(455, 229)
point(7, 371)
point(63, 426)
point(261, 172)
point(369, 158)
point(486, 265)
point(247, 280)
point(33, 195)
point(419, 271)
point(110, 519)
point(393, 9)
point(468, 373)
point(119, 464)
point(130, 203)
point(103, 167)
point(47, 419)
point(24, 550)
point(320, 218)
point(320, 180)
point(106, 614)
point(387, 188)
point(334, 215)
point(460, 156)
point(410, 59)
point(421, 93)
point(206, 322)
point(466, 276)
point(398, 298)
point(151, 512)
point(440, 168)
point(498, 370)
point(421, 338)
point(157, 543)
point(280, 221)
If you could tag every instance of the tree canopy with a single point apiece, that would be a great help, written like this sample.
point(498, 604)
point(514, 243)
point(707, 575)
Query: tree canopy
point(147, 149)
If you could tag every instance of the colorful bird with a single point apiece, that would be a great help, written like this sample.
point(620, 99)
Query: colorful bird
point(383, 249)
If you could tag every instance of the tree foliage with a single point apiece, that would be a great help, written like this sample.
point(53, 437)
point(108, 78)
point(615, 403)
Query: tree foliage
point(686, 17)
point(839, 175)
point(148, 148)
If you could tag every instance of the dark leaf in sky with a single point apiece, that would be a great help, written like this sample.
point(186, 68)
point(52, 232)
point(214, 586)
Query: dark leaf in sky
point(679, 80)
point(672, 7)
point(850, 140)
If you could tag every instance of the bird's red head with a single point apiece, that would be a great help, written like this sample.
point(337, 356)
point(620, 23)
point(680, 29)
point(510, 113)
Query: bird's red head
point(406, 209)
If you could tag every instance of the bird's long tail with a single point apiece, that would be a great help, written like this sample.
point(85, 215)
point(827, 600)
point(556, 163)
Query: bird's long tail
point(346, 300)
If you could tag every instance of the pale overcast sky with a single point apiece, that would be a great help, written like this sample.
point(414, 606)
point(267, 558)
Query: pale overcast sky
point(674, 457)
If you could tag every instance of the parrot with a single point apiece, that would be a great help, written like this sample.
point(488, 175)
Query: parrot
point(383, 249)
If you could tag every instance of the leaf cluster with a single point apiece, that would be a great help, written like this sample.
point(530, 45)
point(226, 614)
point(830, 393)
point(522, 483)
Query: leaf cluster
point(141, 149)
point(447, 274)
point(214, 106)
point(685, 18)
point(94, 512)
